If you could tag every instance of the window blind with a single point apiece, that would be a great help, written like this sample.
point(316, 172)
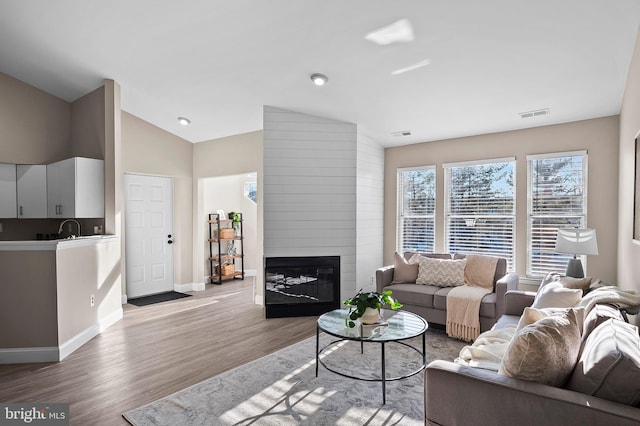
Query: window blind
point(416, 209)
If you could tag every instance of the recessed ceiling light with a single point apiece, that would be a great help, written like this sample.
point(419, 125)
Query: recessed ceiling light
point(399, 32)
point(184, 121)
point(319, 79)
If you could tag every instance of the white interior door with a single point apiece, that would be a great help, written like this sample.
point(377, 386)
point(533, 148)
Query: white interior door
point(148, 234)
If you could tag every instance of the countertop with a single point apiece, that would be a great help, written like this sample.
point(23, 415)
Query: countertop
point(45, 245)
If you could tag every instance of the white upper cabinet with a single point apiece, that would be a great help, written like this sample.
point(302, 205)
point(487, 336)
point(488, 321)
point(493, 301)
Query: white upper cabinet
point(32, 191)
point(75, 188)
point(8, 191)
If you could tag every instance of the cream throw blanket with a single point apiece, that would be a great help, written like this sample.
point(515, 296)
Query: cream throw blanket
point(621, 299)
point(463, 303)
point(488, 349)
point(463, 312)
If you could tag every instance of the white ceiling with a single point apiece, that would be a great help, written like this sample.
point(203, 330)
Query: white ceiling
point(218, 62)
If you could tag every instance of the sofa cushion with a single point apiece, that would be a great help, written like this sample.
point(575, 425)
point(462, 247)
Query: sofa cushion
point(555, 295)
point(405, 271)
point(598, 315)
point(441, 273)
point(440, 298)
point(609, 366)
point(412, 294)
point(545, 351)
point(480, 270)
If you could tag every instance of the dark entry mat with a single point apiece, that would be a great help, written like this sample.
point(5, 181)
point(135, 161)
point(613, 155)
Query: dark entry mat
point(157, 298)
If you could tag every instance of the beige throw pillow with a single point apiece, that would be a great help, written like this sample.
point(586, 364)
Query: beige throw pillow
point(441, 273)
point(480, 270)
point(545, 351)
point(555, 295)
point(531, 315)
point(579, 283)
point(404, 271)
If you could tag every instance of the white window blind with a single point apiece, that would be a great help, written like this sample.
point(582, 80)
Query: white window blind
point(416, 209)
point(480, 208)
point(557, 199)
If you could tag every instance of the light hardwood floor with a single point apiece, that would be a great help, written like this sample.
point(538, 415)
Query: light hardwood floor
point(154, 351)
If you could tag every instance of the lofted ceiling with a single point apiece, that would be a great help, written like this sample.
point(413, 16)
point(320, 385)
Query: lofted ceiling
point(218, 62)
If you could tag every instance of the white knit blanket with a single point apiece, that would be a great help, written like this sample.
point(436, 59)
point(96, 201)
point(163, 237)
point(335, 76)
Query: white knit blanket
point(488, 349)
point(628, 300)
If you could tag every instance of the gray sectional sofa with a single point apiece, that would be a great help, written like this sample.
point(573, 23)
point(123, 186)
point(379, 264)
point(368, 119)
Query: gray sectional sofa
point(430, 301)
point(459, 395)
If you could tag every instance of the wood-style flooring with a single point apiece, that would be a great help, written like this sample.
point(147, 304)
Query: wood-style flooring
point(154, 351)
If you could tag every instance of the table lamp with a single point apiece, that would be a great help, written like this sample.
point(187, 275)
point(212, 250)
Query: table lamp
point(576, 241)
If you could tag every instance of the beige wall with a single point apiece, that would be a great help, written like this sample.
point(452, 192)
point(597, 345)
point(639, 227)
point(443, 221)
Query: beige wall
point(88, 125)
point(34, 125)
point(222, 157)
point(628, 249)
point(598, 136)
point(149, 150)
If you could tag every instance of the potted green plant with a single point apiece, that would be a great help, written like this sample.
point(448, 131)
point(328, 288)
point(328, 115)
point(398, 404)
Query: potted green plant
point(366, 306)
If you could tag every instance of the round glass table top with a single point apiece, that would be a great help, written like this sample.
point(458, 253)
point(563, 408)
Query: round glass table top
point(394, 326)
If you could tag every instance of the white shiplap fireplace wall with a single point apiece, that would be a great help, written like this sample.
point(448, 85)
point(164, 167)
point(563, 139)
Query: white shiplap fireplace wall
point(313, 194)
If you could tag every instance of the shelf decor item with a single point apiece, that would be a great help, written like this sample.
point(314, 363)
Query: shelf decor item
point(226, 251)
point(366, 306)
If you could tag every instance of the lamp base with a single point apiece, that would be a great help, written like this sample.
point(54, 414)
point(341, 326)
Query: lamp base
point(574, 269)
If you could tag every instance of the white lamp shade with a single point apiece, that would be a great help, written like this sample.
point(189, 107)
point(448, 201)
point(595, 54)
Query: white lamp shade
point(577, 241)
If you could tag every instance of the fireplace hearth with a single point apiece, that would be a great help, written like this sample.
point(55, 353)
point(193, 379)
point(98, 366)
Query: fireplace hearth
point(301, 286)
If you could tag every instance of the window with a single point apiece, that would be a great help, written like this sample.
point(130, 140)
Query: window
point(480, 208)
point(557, 199)
point(416, 207)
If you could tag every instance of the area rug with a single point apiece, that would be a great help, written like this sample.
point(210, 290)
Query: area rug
point(157, 298)
point(282, 389)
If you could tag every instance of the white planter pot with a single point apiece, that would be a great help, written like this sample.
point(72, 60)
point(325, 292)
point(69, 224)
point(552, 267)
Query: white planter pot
point(371, 316)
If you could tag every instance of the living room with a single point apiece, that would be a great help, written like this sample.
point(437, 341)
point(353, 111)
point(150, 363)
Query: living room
point(39, 127)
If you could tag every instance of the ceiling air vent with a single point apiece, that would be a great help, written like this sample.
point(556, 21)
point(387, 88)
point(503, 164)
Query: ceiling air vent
point(401, 133)
point(536, 113)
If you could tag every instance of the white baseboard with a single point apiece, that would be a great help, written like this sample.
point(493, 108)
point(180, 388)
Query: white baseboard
point(182, 288)
point(250, 273)
point(55, 354)
point(29, 355)
point(258, 300)
point(124, 299)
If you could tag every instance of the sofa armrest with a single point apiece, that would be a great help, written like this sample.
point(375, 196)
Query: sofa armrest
point(384, 277)
point(516, 300)
point(504, 284)
point(456, 394)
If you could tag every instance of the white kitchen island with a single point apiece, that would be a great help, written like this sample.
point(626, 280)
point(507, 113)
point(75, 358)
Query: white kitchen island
point(56, 295)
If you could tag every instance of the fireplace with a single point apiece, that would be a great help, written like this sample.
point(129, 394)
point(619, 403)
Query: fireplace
point(301, 286)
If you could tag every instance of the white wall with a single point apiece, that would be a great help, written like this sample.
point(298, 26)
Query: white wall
point(369, 211)
point(227, 193)
point(310, 189)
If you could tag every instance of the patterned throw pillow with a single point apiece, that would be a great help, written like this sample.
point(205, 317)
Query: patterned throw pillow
point(441, 273)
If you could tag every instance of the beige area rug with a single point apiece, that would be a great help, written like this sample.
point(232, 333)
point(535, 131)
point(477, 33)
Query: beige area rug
point(282, 389)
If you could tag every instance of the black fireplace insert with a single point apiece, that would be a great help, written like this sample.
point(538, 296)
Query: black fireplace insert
point(301, 286)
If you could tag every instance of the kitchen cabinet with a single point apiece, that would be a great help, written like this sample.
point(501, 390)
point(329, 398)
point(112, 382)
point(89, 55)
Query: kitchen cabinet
point(32, 191)
point(75, 188)
point(8, 191)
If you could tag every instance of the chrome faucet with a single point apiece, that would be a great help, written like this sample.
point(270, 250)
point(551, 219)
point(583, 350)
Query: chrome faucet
point(70, 220)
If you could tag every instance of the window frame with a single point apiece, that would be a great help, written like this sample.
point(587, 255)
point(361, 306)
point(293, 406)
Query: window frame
point(400, 207)
point(563, 258)
point(511, 262)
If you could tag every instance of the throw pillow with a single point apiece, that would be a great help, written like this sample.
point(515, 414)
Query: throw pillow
point(609, 366)
point(545, 351)
point(555, 295)
point(441, 273)
point(579, 283)
point(480, 271)
point(598, 315)
point(531, 315)
point(404, 271)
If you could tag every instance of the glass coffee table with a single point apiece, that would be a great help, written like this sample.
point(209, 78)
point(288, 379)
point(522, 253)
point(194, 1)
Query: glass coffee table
point(395, 327)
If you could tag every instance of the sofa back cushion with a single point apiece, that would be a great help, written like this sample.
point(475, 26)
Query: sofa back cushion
point(609, 366)
point(409, 254)
point(440, 272)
